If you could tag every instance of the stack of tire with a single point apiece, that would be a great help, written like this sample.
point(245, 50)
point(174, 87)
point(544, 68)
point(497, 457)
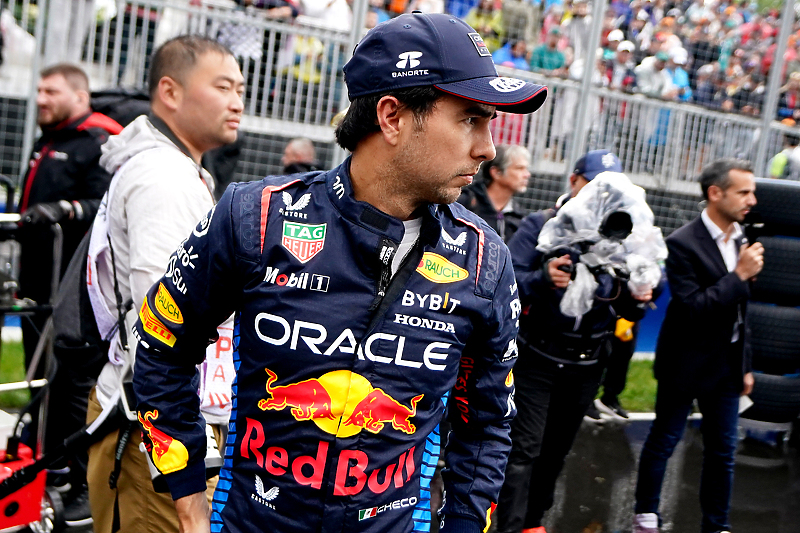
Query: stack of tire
point(773, 313)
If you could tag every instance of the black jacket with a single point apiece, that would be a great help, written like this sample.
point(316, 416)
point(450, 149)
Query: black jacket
point(64, 165)
point(476, 199)
point(694, 350)
point(542, 325)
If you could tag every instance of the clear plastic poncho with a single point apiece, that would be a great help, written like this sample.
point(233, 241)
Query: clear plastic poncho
point(601, 205)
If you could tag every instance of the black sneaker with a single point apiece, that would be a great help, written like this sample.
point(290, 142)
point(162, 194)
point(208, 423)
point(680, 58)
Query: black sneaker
point(593, 415)
point(76, 508)
point(611, 406)
point(59, 479)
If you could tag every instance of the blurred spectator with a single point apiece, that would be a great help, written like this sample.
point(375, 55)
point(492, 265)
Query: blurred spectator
point(614, 38)
point(786, 163)
point(652, 78)
point(552, 19)
point(789, 98)
point(621, 75)
point(706, 93)
point(546, 57)
point(641, 31)
point(680, 79)
point(68, 23)
point(378, 7)
point(426, 6)
point(513, 54)
point(578, 29)
point(522, 20)
point(487, 21)
point(333, 14)
point(492, 197)
point(299, 156)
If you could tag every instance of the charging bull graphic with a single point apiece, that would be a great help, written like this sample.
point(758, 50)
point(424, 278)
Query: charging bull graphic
point(308, 399)
point(341, 403)
point(378, 408)
point(169, 455)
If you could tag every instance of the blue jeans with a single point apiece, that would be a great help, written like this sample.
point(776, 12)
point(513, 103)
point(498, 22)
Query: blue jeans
point(720, 409)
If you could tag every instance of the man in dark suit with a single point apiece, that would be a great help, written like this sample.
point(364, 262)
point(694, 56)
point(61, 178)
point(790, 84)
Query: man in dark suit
point(703, 350)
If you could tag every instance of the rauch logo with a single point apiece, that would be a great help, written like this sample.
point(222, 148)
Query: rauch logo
point(437, 269)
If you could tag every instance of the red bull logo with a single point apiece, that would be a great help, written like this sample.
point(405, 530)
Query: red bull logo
point(353, 472)
point(341, 403)
point(308, 399)
point(378, 408)
point(169, 455)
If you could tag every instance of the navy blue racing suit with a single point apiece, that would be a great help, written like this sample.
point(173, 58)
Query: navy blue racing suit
point(343, 370)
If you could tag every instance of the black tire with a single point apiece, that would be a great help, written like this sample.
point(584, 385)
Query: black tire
point(779, 281)
point(775, 399)
point(777, 206)
point(52, 520)
point(775, 338)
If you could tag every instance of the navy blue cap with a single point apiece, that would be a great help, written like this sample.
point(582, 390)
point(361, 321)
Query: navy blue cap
point(593, 163)
point(419, 49)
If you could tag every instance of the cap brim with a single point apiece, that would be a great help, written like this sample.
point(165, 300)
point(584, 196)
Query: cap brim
point(507, 94)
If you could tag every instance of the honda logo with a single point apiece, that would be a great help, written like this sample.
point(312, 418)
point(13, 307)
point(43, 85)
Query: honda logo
point(409, 59)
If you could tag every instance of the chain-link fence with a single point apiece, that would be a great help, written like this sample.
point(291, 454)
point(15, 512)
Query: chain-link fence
point(672, 86)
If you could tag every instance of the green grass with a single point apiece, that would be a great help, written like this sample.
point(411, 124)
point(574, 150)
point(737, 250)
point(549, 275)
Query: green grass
point(12, 368)
point(640, 390)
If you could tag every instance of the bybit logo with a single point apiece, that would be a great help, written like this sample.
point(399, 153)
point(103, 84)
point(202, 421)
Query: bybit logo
point(409, 59)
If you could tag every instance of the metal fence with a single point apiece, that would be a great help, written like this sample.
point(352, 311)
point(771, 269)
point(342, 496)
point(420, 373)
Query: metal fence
point(294, 87)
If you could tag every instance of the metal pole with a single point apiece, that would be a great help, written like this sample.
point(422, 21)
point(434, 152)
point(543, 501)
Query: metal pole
point(30, 109)
point(579, 134)
point(359, 23)
point(773, 84)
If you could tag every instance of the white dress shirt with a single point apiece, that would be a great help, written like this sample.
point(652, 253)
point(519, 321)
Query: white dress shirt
point(726, 242)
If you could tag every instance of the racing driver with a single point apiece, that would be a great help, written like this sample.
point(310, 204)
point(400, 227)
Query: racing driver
point(357, 321)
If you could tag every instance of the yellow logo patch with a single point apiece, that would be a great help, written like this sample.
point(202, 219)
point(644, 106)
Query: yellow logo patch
point(166, 306)
point(437, 269)
point(154, 327)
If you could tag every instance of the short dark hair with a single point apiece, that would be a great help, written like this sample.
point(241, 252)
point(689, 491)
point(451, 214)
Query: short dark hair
point(792, 139)
point(75, 76)
point(717, 173)
point(177, 56)
point(361, 118)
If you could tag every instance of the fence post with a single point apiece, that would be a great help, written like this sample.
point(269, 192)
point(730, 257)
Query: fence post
point(773, 85)
point(579, 132)
point(31, 110)
point(338, 154)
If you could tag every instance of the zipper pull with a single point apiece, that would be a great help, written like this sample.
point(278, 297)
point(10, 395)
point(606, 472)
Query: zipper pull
point(386, 251)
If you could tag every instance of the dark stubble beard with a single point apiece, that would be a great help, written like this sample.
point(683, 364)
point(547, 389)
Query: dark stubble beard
point(416, 179)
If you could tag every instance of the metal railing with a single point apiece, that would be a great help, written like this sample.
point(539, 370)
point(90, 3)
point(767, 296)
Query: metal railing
point(294, 87)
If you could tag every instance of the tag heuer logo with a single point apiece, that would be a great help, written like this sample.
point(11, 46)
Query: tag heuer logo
point(303, 241)
point(437, 269)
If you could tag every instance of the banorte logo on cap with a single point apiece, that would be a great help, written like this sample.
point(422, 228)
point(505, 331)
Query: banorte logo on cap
point(408, 59)
point(341, 403)
point(507, 85)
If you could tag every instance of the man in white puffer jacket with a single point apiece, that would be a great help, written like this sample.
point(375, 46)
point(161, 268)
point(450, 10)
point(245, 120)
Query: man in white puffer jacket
point(158, 194)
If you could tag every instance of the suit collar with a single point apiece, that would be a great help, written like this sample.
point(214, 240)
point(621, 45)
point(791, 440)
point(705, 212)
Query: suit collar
point(708, 244)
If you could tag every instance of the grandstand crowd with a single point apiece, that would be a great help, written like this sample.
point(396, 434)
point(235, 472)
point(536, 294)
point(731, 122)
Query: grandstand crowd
point(714, 53)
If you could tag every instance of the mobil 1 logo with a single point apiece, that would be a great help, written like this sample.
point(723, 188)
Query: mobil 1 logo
point(303, 280)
